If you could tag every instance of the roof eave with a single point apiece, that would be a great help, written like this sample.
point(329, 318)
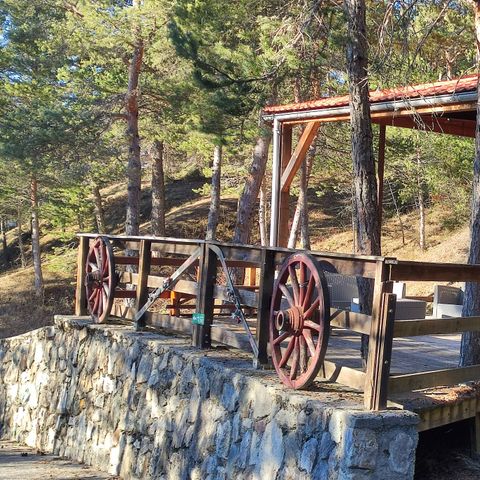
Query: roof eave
point(388, 106)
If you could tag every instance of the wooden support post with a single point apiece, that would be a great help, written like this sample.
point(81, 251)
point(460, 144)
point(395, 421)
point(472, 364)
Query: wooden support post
point(201, 334)
point(145, 260)
point(175, 301)
point(380, 172)
point(284, 213)
point(80, 295)
point(298, 155)
point(267, 279)
point(380, 343)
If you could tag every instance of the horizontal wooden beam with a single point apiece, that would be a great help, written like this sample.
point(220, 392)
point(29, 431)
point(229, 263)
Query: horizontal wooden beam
point(357, 322)
point(434, 378)
point(298, 155)
point(433, 123)
point(435, 326)
point(344, 375)
point(434, 272)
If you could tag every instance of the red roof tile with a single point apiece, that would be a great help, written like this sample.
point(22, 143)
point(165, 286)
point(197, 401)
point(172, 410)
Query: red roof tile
point(463, 84)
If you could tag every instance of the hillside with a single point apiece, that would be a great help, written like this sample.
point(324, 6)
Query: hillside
point(187, 218)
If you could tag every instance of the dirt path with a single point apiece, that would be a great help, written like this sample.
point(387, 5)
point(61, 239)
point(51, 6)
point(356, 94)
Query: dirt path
point(20, 463)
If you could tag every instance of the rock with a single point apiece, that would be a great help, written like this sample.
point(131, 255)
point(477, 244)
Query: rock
point(309, 455)
point(361, 448)
point(270, 456)
point(223, 439)
point(402, 453)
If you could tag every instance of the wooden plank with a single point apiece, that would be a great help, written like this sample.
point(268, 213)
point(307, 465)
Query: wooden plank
point(201, 334)
point(447, 414)
point(145, 259)
point(380, 342)
point(357, 322)
point(435, 326)
point(434, 272)
point(125, 294)
point(284, 205)
point(267, 279)
point(296, 160)
point(452, 126)
point(344, 375)
point(424, 298)
point(248, 298)
point(181, 286)
point(433, 378)
point(80, 293)
point(174, 247)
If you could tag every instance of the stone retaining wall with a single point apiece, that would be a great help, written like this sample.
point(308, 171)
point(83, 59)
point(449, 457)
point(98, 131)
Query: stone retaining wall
point(145, 405)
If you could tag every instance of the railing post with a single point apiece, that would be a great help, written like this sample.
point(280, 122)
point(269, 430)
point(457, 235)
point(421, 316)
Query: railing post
point(267, 279)
point(201, 332)
point(80, 294)
point(144, 263)
point(380, 342)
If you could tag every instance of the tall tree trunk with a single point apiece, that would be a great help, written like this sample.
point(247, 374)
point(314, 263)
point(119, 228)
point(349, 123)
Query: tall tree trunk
point(262, 215)
point(397, 210)
point(98, 209)
point(4, 241)
point(367, 228)
point(300, 217)
point(21, 248)
point(134, 172)
point(470, 345)
point(215, 194)
point(36, 254)
point(158, 190)
point(246, 203)
point(421, 219)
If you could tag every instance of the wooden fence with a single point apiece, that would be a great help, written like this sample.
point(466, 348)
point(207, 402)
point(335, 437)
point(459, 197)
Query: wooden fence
point(206, 287)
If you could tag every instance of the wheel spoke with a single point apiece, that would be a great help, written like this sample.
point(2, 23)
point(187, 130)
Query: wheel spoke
point(106, 289)
point(281, 338)
point(97, 255)
point(287, 294)
point(294, 282)
point(100, 302)
point(95, 303)
point(312, 308)
point(307, 335)
point(303, 278)
point(308, 293)
point(92, 295)
point(293, 370)
point(93, 266)
point(311, 325)
point(288, 351)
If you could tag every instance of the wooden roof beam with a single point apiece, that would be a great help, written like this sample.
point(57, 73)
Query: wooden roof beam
point(299, 155)
point(452, 126)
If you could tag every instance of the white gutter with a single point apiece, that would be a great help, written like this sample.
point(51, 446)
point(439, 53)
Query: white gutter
point(275, 205)
point(394, 105)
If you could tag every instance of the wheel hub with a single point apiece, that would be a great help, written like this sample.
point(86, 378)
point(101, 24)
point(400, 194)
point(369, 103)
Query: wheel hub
point(291, 318)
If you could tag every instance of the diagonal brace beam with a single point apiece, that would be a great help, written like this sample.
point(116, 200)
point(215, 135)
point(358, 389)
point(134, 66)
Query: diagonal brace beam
point(299, 155)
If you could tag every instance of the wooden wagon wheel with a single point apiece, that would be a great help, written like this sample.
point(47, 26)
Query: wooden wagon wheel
point(299, 321)
point(100, 279)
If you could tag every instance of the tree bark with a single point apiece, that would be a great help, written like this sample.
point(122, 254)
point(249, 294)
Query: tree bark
point(36, 253)
point(98, 209)
point(262, 215)
point(134, 172)
point(215, 194)
point(246, 203)
point(300, 217)
point(4, 241)
point(21, 248)
point(367, 229)
point(158, 190)
point(470, 345)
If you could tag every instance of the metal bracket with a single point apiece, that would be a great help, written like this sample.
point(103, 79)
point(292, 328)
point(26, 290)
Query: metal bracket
point(235, 299)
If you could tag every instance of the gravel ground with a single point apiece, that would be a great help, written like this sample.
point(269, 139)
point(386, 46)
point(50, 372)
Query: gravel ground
point(21, 463)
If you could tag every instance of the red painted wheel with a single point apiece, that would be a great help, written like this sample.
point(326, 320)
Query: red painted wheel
point(299, 321)
point(100, 280)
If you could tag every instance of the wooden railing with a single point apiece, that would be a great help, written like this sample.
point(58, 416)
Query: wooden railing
point(204, 287)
